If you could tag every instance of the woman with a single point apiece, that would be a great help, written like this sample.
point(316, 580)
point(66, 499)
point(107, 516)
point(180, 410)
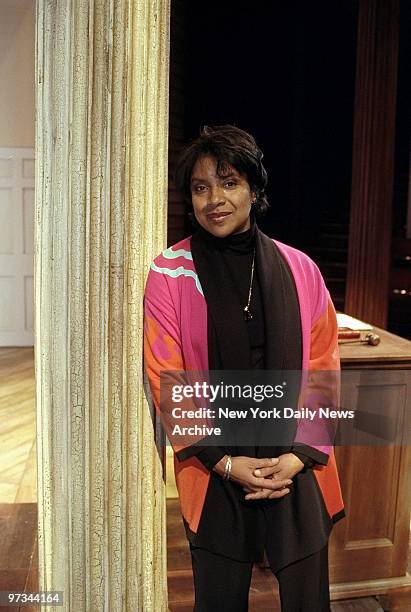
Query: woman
point(230, 298)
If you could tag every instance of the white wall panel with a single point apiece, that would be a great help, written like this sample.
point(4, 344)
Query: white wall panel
point(6, 168)
point(16, 246)
point(7, 304)
point(6, 221)
point(29, 303)
point(28, 168)
point(28, 220)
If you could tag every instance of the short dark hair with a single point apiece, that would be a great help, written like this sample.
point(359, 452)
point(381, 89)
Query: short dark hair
point(230, 146)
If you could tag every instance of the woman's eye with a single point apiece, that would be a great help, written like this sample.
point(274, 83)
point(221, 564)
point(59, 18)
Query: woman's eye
point(230, 183)
point(199, 188)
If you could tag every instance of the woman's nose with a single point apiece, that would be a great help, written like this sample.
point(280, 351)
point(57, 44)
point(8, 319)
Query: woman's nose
point(216, 194)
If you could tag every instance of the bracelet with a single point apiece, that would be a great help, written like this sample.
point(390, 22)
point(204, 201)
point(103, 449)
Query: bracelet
point(227, 469)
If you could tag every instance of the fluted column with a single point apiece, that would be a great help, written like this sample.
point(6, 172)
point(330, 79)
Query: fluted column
point(101, 193)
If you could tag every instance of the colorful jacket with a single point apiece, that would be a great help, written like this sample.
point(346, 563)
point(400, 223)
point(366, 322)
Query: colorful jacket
point(175, 338)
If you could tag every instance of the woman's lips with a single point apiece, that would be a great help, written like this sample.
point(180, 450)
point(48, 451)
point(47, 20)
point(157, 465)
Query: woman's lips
point(218, 216)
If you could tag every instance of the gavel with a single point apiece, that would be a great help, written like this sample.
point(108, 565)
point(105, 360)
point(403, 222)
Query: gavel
point(355, 336)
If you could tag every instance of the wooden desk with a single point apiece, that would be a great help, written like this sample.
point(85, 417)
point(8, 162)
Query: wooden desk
point(369, 548)
point(392, 352)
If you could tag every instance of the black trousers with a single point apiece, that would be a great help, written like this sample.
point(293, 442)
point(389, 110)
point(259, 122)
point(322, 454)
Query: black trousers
point(222, 584)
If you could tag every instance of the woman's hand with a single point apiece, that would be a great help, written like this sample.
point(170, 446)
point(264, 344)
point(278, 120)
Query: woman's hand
point(245, 472)
point(286, 467)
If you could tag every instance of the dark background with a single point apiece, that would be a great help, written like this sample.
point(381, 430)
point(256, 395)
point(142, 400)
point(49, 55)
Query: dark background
point(285, 71)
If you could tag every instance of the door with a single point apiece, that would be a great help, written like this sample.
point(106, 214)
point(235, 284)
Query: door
point(16, 246)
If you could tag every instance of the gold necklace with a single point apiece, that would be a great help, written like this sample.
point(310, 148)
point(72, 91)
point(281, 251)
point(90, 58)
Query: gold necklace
point(247, 314)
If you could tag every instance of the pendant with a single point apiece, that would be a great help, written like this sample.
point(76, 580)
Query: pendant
point(247, 314)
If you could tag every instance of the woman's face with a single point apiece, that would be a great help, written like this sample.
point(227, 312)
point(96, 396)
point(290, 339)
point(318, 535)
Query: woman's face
point(221, 204)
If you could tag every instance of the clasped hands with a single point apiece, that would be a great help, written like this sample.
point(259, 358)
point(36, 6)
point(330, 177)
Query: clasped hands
point(263, 478)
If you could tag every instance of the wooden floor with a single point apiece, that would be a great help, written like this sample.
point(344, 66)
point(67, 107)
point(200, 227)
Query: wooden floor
point(18, 551)
point(18, 474)
point(19, 571)
point(18, 507)
point(17, 426)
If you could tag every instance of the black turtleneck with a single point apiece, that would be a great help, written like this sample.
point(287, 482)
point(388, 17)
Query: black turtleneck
point(236, 255)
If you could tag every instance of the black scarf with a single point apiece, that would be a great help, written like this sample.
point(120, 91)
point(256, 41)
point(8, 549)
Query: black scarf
point(228, 339)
